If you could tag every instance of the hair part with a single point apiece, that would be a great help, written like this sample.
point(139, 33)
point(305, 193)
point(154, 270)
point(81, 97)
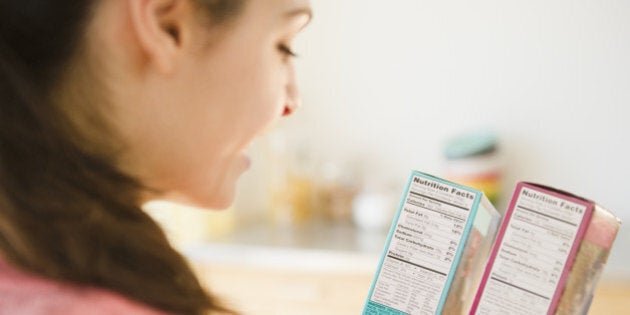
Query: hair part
point(66, 211)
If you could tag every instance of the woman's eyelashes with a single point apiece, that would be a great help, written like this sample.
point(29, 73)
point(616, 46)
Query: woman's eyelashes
point(286, 50)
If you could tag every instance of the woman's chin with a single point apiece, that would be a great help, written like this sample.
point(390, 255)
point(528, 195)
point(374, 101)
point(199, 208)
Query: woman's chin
point(207, 192)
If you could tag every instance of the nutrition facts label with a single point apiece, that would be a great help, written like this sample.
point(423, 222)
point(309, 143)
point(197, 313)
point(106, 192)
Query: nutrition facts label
point(532, 255)
point(423, 246)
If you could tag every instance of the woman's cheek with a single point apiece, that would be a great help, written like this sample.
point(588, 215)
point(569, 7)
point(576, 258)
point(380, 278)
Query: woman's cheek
point(268, 99)
point(273, 105)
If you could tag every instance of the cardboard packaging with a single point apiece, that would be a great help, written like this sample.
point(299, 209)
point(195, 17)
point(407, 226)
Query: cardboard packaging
point(436, 249)
point(548, 255)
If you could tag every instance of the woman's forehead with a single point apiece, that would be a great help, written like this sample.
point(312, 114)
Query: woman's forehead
point(281, 8)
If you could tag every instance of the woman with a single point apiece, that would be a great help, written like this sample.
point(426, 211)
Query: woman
point(107, 104)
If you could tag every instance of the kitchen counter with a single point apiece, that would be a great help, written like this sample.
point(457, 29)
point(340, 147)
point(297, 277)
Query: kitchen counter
point(327, 269)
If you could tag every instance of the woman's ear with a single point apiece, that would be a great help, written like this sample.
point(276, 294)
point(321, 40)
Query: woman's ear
point(161, 27)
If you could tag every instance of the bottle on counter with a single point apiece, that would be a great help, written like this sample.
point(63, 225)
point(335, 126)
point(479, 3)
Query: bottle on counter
point(473, 159)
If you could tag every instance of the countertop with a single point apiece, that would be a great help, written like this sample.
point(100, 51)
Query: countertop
point(334, 246)
point(328, 269)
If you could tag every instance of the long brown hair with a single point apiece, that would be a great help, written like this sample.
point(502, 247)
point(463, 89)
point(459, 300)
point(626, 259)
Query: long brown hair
point(66, 211)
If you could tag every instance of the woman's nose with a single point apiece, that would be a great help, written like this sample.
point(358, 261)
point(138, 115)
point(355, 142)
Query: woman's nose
point(293, 95)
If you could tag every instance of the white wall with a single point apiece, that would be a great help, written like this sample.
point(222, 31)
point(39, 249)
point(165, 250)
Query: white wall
point(389, 81)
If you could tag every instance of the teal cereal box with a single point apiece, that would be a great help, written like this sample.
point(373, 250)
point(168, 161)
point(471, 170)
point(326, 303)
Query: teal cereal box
point(435, 251)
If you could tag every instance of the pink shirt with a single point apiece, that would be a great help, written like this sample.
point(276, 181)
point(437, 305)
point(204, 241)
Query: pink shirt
point(25, 294)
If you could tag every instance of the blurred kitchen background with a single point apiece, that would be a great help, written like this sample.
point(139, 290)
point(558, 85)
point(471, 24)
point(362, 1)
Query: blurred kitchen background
point(484, 92)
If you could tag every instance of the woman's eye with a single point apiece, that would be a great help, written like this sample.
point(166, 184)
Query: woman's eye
point(286, 50)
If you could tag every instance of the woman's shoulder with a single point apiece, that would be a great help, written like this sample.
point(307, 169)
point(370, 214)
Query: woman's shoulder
point(26, 294)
